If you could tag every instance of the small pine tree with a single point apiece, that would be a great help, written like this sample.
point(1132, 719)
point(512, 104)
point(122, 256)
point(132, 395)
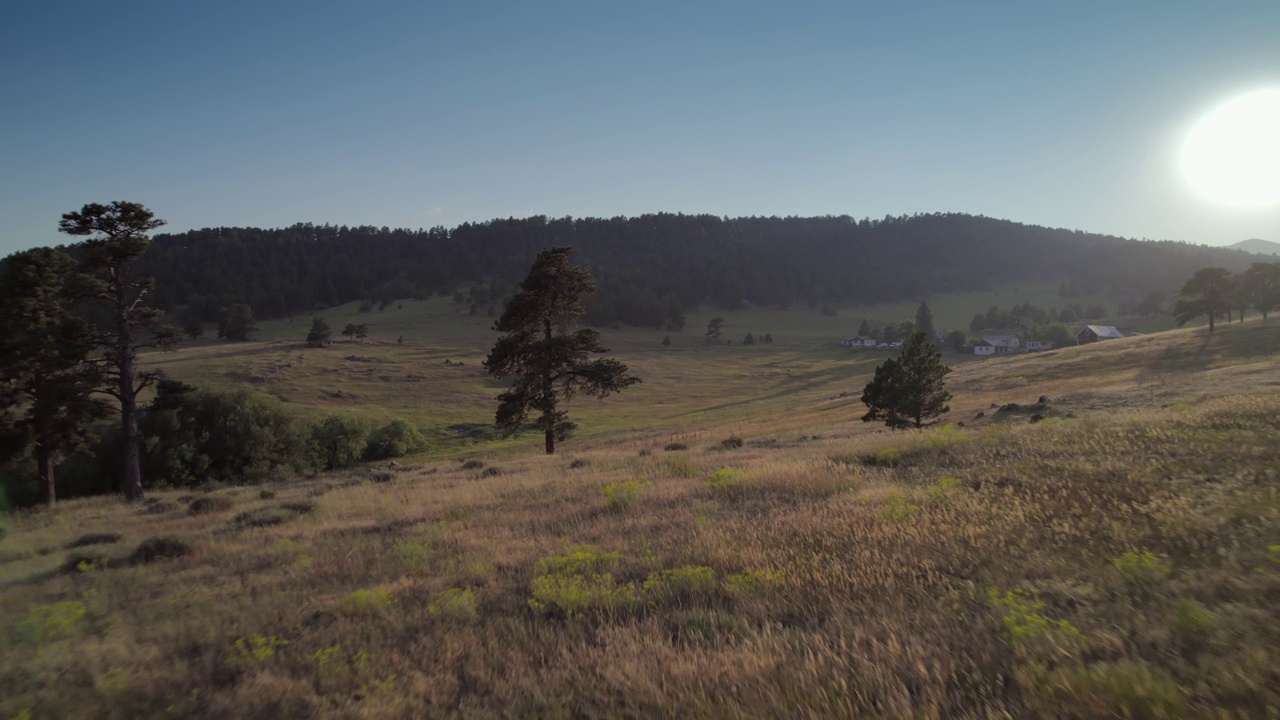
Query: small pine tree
point(908, 388)
point(767, 339)
point(749, 339)
point(666, 341)
point(320, 333)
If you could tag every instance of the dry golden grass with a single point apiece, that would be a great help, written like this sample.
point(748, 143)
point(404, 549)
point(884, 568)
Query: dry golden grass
point(1124, 562)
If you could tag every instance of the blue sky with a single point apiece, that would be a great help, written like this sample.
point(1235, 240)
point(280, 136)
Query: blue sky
point(416, 114)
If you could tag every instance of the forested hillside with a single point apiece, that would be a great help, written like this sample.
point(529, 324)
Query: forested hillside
point(653, 267)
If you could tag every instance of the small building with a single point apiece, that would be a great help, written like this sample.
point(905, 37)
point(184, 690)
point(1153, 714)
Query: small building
point(859, 341)
point(1097, 333)
point(996, 345)
point(1037, 345)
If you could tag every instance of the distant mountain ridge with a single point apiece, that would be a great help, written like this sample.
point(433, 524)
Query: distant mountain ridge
point(652, 268)
point(1257, 245)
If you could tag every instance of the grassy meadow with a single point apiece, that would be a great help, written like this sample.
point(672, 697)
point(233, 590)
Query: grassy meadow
point(725, 540)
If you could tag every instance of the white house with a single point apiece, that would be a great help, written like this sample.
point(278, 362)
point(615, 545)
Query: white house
point(996, 345)
point(859, 341)
point(1037, 345)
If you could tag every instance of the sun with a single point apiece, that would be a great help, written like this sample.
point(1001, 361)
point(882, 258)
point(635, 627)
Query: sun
point(1232, 154)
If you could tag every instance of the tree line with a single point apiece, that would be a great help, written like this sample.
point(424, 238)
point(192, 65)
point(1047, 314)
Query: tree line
point(73, 322)
point(1215, 293)
point(652, 269)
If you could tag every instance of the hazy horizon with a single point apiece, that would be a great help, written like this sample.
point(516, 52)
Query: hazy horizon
point(417, 115)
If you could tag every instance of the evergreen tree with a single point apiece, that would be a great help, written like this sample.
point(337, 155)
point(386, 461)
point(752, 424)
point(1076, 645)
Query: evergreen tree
point(1208, 292)
point(47, 372)
point(956, 340)
point(666, 341)
point(320, 333)
point(713, 330)
point(549, 362)
point(865, 328)
point(767, 339)
point(362, 331)
point(924, 321)
point(749, 339)
point(1262, 286)
point(349, 331)
point(908, 388)
point(118, 238)
point(236, 323)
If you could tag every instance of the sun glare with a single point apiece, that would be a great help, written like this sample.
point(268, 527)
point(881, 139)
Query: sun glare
point(1232, 154)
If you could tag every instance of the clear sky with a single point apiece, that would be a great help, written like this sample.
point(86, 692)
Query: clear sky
point(415, 114)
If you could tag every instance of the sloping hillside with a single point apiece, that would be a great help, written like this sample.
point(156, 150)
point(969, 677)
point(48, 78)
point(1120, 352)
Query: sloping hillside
point(1118, 558)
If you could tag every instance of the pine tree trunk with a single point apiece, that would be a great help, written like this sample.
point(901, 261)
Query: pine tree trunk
point(547, 392)
point(44, 463)
point(1211, 322)
point(131, 473)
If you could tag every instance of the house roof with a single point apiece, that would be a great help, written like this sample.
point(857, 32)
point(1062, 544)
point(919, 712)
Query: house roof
point(1005, 340)
point(1103, 331)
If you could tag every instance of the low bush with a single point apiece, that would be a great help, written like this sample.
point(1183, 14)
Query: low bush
point(302, 507)
point(395, 439)
point(675, 447)
point(473, 465)
point(731, 443)
point(578, 464)
point(491, 472)
point(262, 517)
point(580, 582)
point(457, 604)
point(623, 495)
point(86, 561)
point(162, 547)
point(340, 440)
point(210, 504)
point(725, 479)
point(690, 583)
point(266, 494)
point(43, 623)
point(681, 466)
point(94, 539)
point(362, 601)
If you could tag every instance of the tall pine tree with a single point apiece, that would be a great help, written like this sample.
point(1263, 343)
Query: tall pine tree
point(47, 372)
point(549, 361)
point(908, 389)
point(118, 238)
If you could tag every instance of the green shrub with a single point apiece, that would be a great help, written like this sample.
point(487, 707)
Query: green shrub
point(623, 495)
point(751, 583)
point(888, 457)
point(688, 583)
point(580, 581)
point(395, 439)
point(725, 479)
point(193, 436)
point(454, 604)
point(1193, 621)
point(51, 622)
point(340, 440)
point(1140, 574)
point(897, 508)
point(1030, 631)
point(254, 650)
point(945, 486)
point(362, 601)
point(212, 503)
point(162, 547)
point(731, 443)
